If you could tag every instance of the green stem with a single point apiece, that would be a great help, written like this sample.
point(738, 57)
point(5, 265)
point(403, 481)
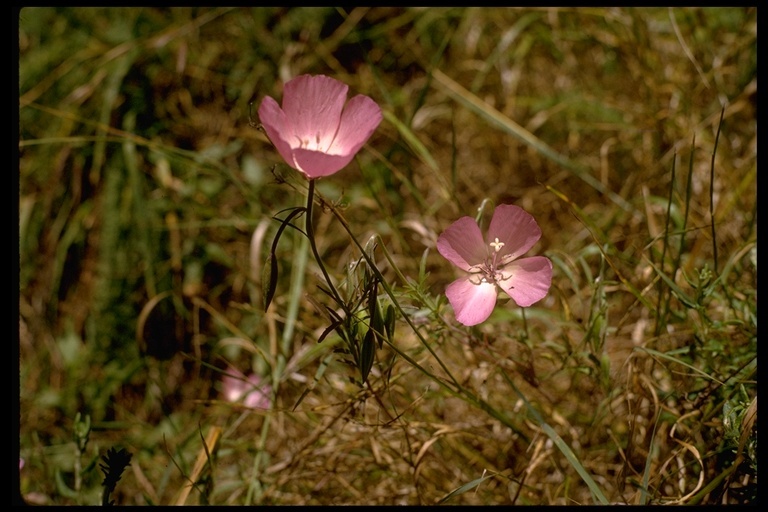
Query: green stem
point(311, 236)
point(711, 486)
point(392, 297)
point(256, 487)
point(454, 387)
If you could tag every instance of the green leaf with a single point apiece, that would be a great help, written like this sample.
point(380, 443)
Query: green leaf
point(413, 141)
point(464, 488)
point(389, 321)
point(269, 274)
point(368, 350)
point(681, 295)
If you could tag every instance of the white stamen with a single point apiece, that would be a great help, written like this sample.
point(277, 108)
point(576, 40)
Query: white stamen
point(496, 245)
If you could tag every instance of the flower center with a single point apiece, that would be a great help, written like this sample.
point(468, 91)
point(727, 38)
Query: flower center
point(490, 270)
point(320, 142)
point(312, 145)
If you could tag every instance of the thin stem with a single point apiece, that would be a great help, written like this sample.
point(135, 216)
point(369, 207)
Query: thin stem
point(256, 487)
point(525, 329)
point(661, 312)
point(311, 236)
point(712, 191)
point(459, 391)
point(78, 470)
point(391, 295)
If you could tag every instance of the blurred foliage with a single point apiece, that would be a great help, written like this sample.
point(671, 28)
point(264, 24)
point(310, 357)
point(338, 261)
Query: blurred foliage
point(147, 205)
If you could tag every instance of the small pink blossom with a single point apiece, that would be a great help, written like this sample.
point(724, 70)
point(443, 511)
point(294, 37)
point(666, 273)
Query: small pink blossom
point(314, 131)
point(236, 386)
point(494, 261)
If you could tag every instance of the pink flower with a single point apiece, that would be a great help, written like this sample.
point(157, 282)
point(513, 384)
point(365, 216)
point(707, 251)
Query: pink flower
point(494, 261)
point(235, 386)
point(315, 132)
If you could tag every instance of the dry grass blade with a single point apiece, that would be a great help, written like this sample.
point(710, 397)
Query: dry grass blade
point(209, 445)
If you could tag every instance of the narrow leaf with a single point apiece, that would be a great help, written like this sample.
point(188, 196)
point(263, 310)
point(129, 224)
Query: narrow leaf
point(269, 276)
point(389, 321)
point(271, 268)
point(367, 352)
point(328, 330)
point(681, 295)
point(464, 488)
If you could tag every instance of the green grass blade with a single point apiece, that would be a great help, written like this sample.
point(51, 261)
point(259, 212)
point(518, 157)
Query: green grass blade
point(678, 361)
point(499, 120)
point(597, 493)
point(464, 488)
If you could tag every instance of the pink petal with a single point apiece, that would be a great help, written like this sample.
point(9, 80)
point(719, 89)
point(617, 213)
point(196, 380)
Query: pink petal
point(527, 280)
point(313, 105)
point(258, 398)
point(359, 120)
point(314, 132)
point(462, 244)
point(315, 164)
point(232, 387)
point(276, 125)
point(236, 386)
point(516, 228)
point(472, 303)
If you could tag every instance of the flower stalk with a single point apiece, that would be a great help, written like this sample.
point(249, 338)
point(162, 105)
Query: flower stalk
point(310, 230)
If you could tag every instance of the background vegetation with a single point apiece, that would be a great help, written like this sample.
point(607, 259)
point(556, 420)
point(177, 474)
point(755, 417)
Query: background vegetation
point(146, 206)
